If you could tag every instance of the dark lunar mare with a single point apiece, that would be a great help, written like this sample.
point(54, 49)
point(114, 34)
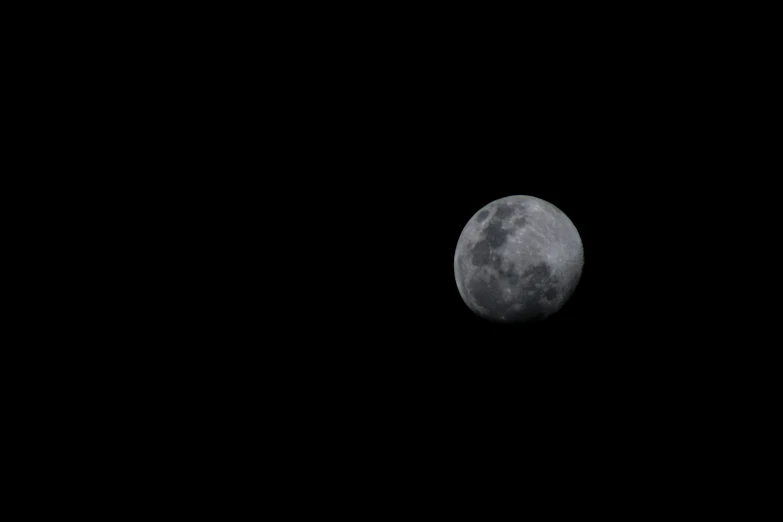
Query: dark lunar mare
point(482, 254)
point(537, 283)
point(503, 211)
point(511, 274)
point(493, 237)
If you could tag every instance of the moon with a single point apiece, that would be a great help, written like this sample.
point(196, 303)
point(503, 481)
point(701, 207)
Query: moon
point(518, 259)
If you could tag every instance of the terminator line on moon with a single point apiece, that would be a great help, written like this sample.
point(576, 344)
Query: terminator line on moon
point(518, 259)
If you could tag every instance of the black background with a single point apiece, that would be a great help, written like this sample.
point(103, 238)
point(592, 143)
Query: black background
point(353, 160)
point(402, 155)
point(281, 305)
point(393, 165)
point(375, 156)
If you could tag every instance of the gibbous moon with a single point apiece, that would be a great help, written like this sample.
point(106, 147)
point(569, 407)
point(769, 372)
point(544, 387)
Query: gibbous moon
point(518, 259)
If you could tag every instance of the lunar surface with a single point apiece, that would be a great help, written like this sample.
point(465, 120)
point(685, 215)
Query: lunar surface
point(518, 259)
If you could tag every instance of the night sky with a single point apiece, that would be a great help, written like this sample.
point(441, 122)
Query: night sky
point(344, 216)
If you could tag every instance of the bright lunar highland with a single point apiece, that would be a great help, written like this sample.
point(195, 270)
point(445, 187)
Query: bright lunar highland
point(518, 259)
